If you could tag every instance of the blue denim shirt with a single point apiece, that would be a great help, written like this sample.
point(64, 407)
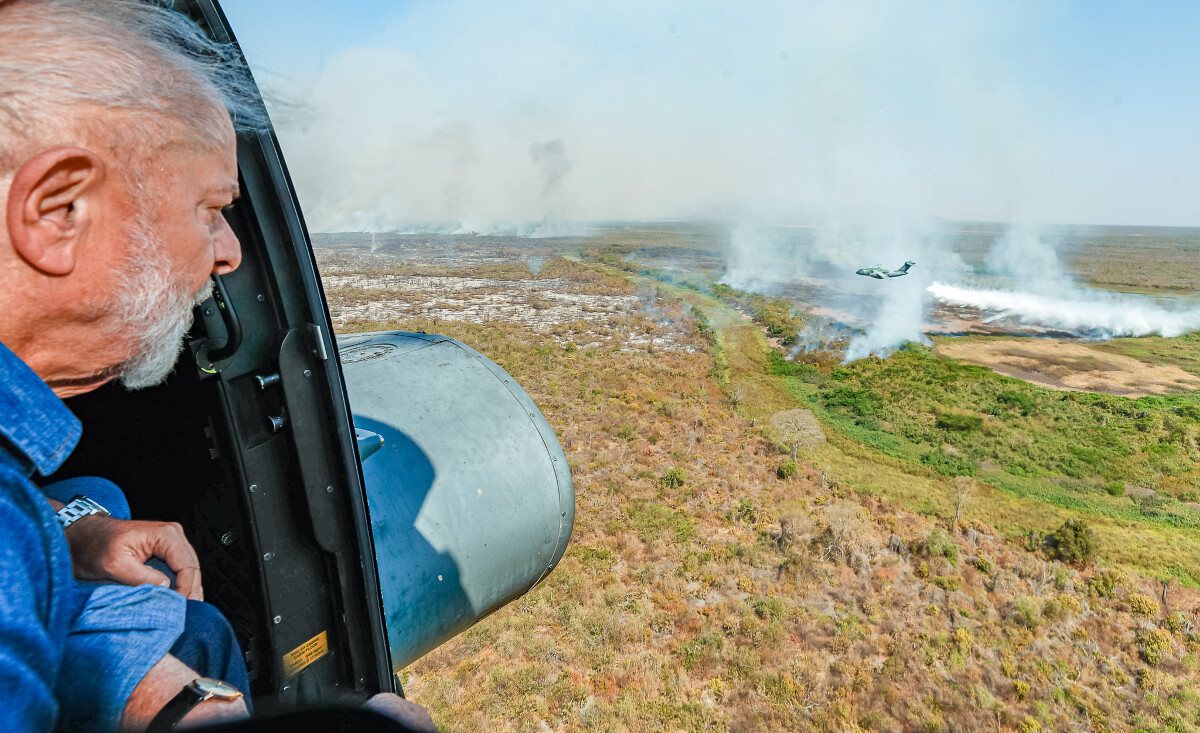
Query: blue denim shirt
point(38, 598)
point(95, 641)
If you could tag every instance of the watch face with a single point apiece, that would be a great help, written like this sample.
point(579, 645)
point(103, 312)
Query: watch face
point(217, 688)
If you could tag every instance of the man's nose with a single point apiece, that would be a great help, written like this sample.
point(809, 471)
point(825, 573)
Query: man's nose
point(227, 251)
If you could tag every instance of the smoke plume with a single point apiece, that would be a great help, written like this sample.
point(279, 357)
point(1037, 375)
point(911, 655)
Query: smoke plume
point(1082, 311)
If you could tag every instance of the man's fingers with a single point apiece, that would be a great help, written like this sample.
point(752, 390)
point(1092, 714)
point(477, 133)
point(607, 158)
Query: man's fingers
point(172, 546)
point(137, 574)
point(397, 708)
point(187, 582)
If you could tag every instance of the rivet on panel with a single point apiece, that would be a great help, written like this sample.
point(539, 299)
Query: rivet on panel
point(278, 619)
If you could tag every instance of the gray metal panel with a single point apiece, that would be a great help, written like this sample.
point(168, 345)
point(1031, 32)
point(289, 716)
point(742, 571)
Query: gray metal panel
point(470, 497)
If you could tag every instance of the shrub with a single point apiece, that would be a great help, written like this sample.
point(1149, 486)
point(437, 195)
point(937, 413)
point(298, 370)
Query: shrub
point(962, 639)
point(942, 544)
point(1020, 401)
point(923, 570)
point(1026, 614)
point(984, 564)
point(1021, 688)
point(1155, 643)
point(948, 582)
point(627, 432)
point(1178, 622)
point(653, 519)
point(960, 423)
point(1052, 611)
point(1069, 604)
point(1107, 583)
point(1115, 488)
point(949, 465)
point(1074, 542)
point(1142, 604)
point(674, 478)
point(860, 402)
point(786, 470)
point(1149, 679)
point(770, 608)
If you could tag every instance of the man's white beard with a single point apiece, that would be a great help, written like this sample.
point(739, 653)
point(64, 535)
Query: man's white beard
point(154, 309)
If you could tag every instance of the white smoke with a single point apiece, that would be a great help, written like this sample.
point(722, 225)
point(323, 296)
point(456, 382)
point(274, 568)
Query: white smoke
point(427, 116)
point(551, 158)
point(1082, 311)
point(1027, 285)
point(759, 259)
point(899, 317)
point(816, 264)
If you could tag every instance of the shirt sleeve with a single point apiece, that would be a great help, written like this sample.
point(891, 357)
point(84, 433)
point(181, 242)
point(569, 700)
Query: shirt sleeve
point(122, 632)
point(29, 653)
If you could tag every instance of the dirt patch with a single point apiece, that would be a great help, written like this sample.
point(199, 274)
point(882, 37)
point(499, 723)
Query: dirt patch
point(1138, 492)
point(1071, 366)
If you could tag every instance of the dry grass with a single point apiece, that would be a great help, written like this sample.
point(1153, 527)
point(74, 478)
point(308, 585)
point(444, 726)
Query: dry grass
point(1070, 365)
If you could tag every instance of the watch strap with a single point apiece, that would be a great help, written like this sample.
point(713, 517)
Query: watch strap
point(78, 508)
point(176, 708)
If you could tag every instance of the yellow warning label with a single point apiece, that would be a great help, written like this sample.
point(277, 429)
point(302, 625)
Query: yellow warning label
point(305, 654)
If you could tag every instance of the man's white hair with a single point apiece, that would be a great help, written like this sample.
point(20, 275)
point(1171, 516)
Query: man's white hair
point(128, 78)
point(65, 63)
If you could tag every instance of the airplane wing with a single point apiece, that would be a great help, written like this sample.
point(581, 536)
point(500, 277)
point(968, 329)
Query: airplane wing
point(878, 276)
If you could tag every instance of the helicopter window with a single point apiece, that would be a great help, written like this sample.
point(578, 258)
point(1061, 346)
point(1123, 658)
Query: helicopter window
point(866, 329)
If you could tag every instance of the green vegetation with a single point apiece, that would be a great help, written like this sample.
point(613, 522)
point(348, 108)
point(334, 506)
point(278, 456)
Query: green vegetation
point(674, 477)
point(955, 417)
point(776, 315)
point(1182, 351)
point(786, 470)
point(1074, 542)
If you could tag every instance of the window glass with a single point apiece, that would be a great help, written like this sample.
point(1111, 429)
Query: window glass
point(870, 331)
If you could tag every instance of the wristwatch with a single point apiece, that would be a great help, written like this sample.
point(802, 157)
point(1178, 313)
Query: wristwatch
point(194, 693)
point(77, 509)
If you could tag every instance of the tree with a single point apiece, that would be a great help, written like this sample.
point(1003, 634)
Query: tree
point(1074, 542)
point(736, 395)
point(797, 429)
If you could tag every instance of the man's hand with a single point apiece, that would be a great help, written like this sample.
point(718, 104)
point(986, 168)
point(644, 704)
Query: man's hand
point(400, 710)
point(103, 548)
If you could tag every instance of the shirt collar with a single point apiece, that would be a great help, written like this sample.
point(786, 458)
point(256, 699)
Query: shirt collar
point(33, 419)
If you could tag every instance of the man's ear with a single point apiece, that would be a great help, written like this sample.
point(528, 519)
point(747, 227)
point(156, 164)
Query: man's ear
point(50, 206)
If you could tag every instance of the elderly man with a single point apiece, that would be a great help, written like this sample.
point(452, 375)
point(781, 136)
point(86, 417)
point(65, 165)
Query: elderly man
point(117, 156)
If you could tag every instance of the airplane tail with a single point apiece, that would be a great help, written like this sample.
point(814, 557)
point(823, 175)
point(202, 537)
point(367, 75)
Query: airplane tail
point(906, 265)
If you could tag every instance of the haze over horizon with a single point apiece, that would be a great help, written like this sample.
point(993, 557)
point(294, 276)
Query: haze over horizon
point(475, 116)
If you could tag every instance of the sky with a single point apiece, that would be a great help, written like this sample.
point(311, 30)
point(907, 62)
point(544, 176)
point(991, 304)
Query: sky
point(472, 116)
